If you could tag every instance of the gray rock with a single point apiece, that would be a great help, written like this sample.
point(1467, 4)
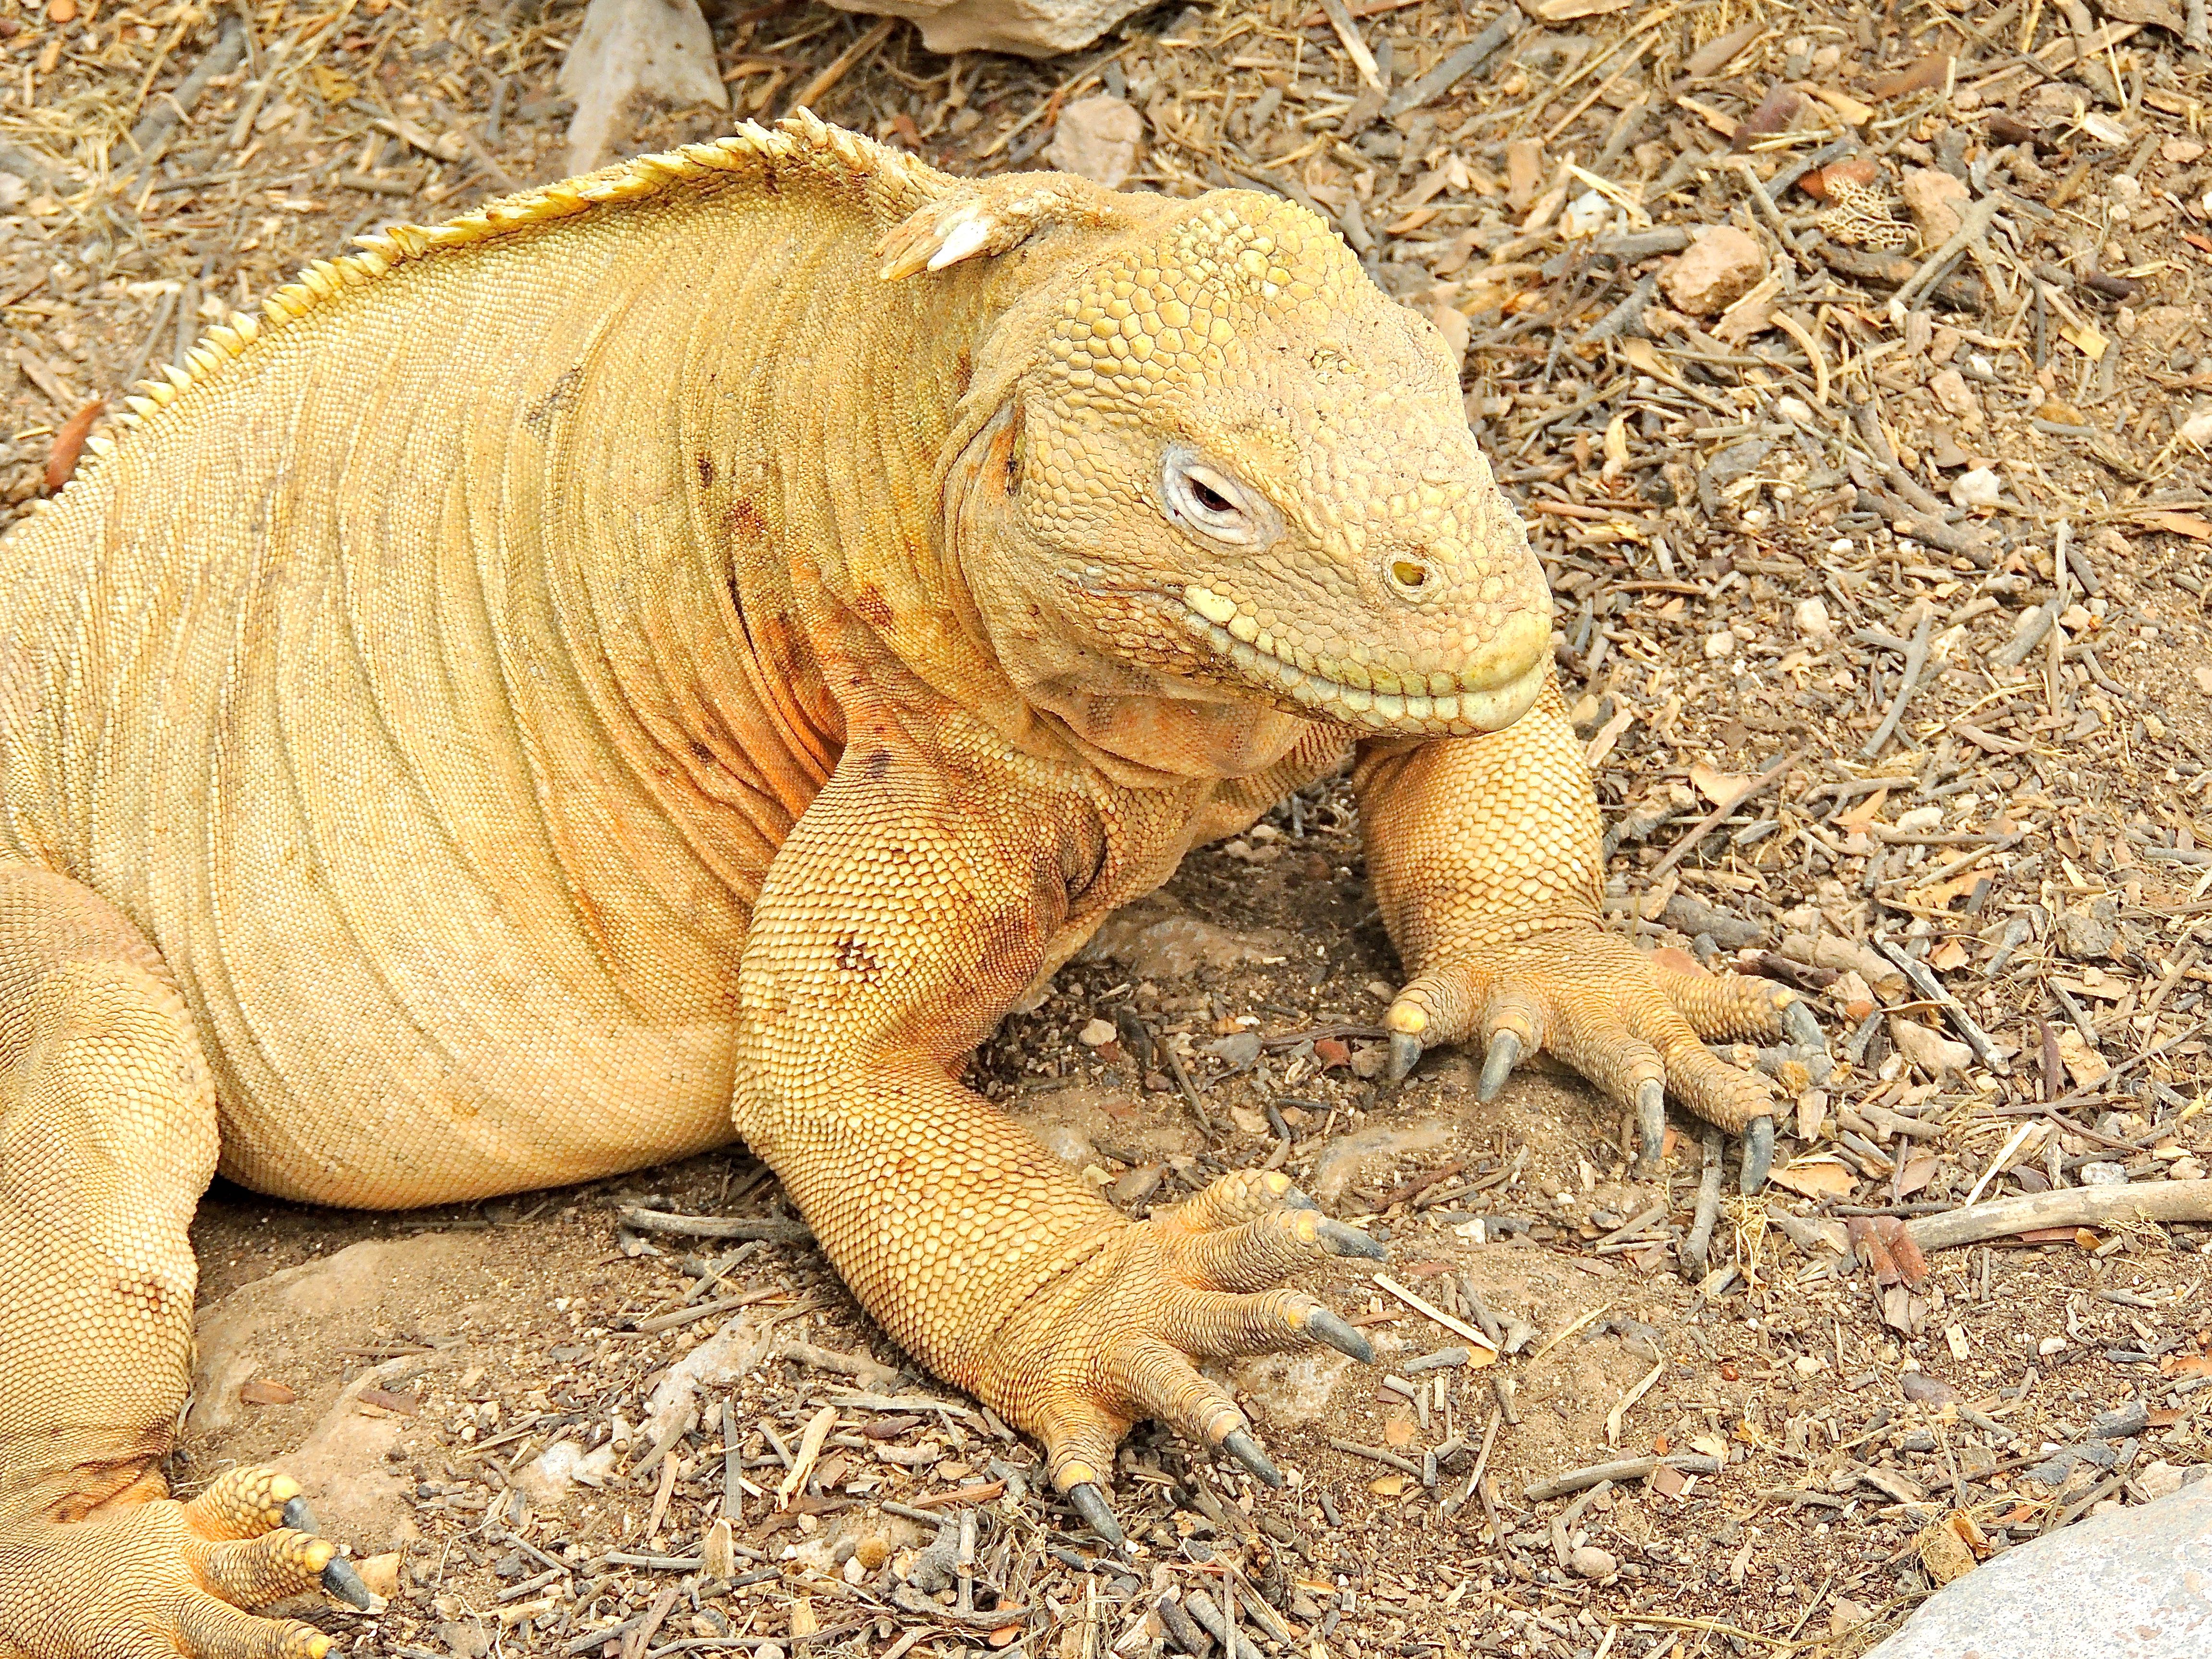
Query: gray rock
point(2054, 1469)
point(2131, 1583)
point(2104, 1175)
point(2121, 1421)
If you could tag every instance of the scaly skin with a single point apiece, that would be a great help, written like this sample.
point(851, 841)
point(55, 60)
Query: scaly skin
point(673, 657)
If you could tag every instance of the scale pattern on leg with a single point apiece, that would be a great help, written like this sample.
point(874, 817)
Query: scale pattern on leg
point(159, 1578)
point(107, 1137)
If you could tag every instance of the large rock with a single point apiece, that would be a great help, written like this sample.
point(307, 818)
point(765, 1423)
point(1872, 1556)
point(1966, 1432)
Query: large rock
point(629, 50)
point(286, 1325)
point(1157, 939)
point(2131, 1583)
point(1097, 138)
point(1034, 28)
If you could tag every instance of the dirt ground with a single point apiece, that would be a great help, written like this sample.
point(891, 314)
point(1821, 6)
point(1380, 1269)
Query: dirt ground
point(1885, 623)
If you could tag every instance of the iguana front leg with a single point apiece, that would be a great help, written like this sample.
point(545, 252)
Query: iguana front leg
point(908, 910)
point(1484, 856)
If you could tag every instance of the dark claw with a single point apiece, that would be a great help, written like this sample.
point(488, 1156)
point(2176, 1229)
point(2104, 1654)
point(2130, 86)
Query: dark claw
point(342, 1581)
point(299, 1516)
point(1651, 1122)
point(1246, 1451)
point(1758, 1153)
point(1097, 1514)
point(1294, 1200)
point(1499, 1060)
point(1350, 1241)
point(1327, 1328)
point(1405, 1054)
point(1803, 1026)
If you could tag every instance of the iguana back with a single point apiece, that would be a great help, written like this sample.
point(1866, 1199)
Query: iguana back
point(423, 670)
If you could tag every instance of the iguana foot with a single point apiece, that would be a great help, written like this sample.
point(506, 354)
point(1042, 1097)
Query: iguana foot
point(163, 1578)
point(1632, 1026)
point(1121, 1337)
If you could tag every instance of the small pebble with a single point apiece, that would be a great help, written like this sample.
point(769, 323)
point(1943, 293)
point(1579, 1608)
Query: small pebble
point(2104, 1175)
point(1096, 1035)
point(1591, 1562)
point(1980, 488)
point(872, 1551)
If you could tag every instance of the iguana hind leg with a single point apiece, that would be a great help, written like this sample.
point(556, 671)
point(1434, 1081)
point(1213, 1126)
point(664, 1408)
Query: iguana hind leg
point(107, 1137)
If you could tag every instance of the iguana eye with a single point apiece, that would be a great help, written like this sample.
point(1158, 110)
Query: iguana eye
point(1206, 500)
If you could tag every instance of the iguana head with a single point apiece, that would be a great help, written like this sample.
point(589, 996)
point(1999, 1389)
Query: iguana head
point(1214, 451)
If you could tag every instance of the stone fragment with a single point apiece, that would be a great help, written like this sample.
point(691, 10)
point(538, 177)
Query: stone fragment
point(2134, 1582)
point(1033, 28)
point(1937, 203)
point(1957, 398)
point(1928, 1049)
point(659, 51)
point(1812, 620)
point(1096, 1034)
point(1098, 138)
point(2086, 937)
point(1718, 269)
point(1350, 1158)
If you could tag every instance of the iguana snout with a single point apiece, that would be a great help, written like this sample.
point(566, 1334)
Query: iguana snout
point(1231, 460)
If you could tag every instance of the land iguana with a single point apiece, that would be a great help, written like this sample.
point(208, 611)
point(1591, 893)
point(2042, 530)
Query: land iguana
point(672, 657)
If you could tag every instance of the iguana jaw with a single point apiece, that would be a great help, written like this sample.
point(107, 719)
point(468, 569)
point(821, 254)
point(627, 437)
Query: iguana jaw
point(1491, 695)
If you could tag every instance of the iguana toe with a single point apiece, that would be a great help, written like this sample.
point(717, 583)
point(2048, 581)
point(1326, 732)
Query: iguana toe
point(1089, 1502)
point(1499, 1060)
point(1246, 1451)
point(1652, 1124)
point(1325, 1327)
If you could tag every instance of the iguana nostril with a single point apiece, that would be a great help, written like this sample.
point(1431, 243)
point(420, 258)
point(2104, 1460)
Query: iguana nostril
point(1409, 577)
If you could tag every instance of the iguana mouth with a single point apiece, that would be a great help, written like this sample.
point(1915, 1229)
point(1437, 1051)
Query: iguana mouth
point(1461, 714)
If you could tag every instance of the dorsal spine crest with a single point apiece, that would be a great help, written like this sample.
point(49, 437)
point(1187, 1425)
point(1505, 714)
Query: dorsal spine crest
point(799, 144)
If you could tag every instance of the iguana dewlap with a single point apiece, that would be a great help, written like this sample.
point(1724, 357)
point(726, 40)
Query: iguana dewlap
point(675, 655)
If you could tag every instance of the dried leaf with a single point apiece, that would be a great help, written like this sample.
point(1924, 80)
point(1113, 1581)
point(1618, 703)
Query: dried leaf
point(1721, 788)
point(1815, 1177)
point(263, 1392)
point(1843, 104)
point(1774, 114)
point(1565, 11)
point(1918, 1171)
point(2181, 524)
point(1821, 183)
point(1926, 73)
point(1715, 55)
point(68, 444)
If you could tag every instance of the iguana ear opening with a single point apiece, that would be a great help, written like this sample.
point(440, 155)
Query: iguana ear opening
point(995, 216)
